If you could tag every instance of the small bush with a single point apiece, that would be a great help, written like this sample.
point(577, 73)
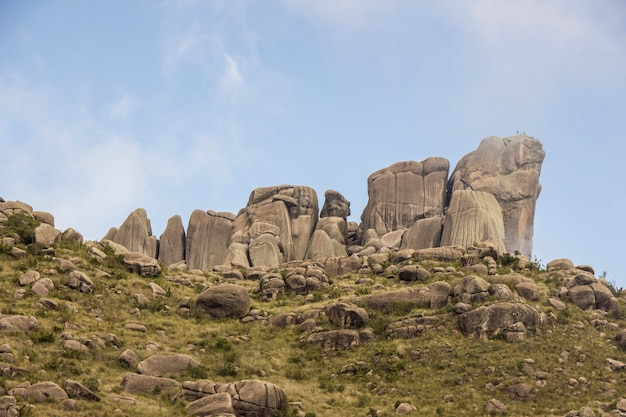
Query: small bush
point(23, 225)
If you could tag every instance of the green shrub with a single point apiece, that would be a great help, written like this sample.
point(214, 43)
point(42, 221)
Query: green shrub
point(22, 225)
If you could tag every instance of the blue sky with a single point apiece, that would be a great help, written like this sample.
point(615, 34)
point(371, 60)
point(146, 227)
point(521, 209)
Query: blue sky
point(180, 105)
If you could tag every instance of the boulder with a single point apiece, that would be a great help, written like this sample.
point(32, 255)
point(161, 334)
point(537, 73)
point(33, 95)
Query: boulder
point(509, 170)
point(149, 385)
point(424, 233)
point(76, 390)
point(129, 359)
point(135, 234)
point(334, 339)
point(228, 300)
point(208, 238)
point(293, 210)
point(329, 238)
point(405, 192)
point(141, 264)
point(45, 235)
point(15, 322)
point(440, 292)
point(161, 365)
point(211, 405)
point(486, 321)
point(335, 205)
point(79, 280)
point(44, 217)
point(70, 235)
point(250, 398)
point(39, 392)
point(348, 315)
point(172, 242)
point(473, 217)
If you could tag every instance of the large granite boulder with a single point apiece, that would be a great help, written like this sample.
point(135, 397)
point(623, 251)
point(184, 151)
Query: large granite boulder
point(162, 365)
point(277, 224)
point(135, 234)
point(473, 217)
point(508, 169)
point(329, 238)
point(335, 205)
point(250, 398)
point(405, 192)
point(208, 238)
point(148, 385)
point(424, 233)
point(487, 321)
point(45, 235)
point(172, 242)
point(228, 300)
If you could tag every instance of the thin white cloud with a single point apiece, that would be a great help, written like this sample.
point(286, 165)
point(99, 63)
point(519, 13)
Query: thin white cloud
point(124, 107)
point(232, 81)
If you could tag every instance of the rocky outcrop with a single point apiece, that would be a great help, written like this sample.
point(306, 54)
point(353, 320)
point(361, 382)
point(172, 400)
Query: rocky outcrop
point(208, 237)
point(135, 234)
point(473, 217)
point(331, 232)
point(507, 168)
point(490, 197)
point(172, 242)
point(277, 223)
point(250, 398)
point(405, 192)
point(148, 385)
point(487, 321)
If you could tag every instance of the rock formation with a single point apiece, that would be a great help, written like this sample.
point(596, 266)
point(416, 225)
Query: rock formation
point(508, 169)
point(172, 242)
point(490, 197)
point(208, 235)
point(405, 192)
point(135, 234)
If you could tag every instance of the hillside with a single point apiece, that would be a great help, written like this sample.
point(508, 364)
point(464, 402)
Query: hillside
point(448, 331)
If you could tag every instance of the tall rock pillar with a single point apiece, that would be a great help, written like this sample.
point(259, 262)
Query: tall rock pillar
point(509, 170)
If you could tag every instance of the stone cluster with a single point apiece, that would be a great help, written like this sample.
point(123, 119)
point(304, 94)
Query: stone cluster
point(490, 197)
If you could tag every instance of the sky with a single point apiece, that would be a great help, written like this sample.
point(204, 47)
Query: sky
point(179, 105)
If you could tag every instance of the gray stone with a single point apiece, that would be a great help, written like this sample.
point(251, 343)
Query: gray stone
point(161, 365)
point(129, 359)
point(334, 339)
point(172, 242)
point(45, 235)
point(424, 233)
point(473, 217)
point(405, 192)
point(486, 321)
point(208, 238)
point(75, 389)
point(141, 264)
point(135, 234)
point(211, 405)
point(509, 170)
point(348, 315)
point(10, 322)
point(228, 300)
point(149, 385)
point(335, 205)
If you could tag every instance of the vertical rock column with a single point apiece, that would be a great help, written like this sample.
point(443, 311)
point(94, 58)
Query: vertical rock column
point(508, 169)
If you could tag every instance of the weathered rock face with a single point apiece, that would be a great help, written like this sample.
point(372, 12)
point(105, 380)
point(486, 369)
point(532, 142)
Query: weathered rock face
point(135, 234)
point(509, 170)
point(473, 217)
point(405, 192)
point(335, 205)
point(277, 224)
point(331, 232)
point(172, 242)
point(208, 237)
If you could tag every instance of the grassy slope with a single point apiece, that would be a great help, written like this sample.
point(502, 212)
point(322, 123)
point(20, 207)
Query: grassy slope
point(421, 370)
